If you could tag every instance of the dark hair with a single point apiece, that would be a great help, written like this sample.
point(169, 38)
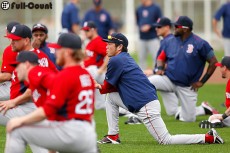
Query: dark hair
point(124, 49)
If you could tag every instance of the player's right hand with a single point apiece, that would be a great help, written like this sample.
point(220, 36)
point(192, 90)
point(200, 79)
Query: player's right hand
point(6, 105)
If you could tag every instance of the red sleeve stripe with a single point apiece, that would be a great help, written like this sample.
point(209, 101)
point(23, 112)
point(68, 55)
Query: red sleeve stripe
point(107, 88)
point(162, 56)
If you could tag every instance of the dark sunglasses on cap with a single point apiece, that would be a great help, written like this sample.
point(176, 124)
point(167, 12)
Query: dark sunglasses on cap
point(111, 37)
point(180, 27)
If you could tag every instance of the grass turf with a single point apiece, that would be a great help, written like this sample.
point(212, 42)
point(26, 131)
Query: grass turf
point(136, 139)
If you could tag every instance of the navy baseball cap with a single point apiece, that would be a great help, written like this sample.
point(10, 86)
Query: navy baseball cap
point(10, 25)
point(117, 38)
point(224, 62)
point(88, 25)
point(164, 21)
point(19, 31)
point(67, 40)
point(97, 2)
point(184, 22)
point(40, 27)
point(24, 56)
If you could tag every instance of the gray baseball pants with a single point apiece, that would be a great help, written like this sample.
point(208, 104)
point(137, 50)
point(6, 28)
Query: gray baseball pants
point(73, 136)
point(5, 90)
point(172, 94)
point(21, 110)
point(147, 47)
point(151, 117)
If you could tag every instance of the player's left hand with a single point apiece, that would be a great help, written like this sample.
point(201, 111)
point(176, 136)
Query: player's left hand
point(14, 123)
point(6, 105)
point(196, 85)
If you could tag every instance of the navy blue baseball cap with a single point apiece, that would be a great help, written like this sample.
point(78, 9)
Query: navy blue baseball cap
point(24, 56)
point(19, 31)
point(97, 2)
point(184, 22)
point(88, 25)
point(117, 38)
point(224, 62)
point(164, 21)
point(10, 25)
point(67, 40)
point(40, 27)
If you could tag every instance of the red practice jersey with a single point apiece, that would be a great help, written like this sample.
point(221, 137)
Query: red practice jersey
point(227, 95)
point(71, 96)
point(95, 51)
point(17, 88)
point(8, 57)
point(40, 80)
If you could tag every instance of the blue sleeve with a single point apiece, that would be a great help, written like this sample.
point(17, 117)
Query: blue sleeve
point(220, 13)
point(110, 22)
point(206, 51)
point(114, 71)
point(74, 16)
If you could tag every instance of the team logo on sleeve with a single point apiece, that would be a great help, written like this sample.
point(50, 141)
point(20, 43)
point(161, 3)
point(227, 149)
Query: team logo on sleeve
point(36, 95)
point(190, 48)
point(89, 53)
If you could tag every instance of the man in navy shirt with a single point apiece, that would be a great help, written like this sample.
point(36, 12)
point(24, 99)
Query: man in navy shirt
point(101, 18)
point(39, 36)
point(185, 55)
point(146, 15)
point(130, 89)
point(224, 12)
point(70, 17)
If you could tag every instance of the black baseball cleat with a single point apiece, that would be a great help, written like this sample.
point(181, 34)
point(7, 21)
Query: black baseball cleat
point(205, 124)
point(133, 120)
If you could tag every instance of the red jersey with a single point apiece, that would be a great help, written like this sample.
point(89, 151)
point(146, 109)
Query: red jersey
point(8, 57)
point(71, 96)
point(227, 94)
point(40, 80)
point(95, 52)
point(17, 88)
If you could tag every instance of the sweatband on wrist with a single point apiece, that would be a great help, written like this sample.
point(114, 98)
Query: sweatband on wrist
point(205, 78)
point(224, 116)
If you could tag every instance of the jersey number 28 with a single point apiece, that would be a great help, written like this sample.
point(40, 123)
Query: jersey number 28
point(85, 102)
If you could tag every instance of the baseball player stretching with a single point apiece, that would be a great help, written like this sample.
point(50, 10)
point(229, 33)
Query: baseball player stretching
point(20, 95)
point(185, 55)
point(69, 108)
point(221, 120)
point(96, 60)
point(136, 94)
point(6, 69)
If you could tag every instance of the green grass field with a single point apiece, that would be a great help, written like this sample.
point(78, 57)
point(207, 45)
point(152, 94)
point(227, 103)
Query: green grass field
point(136, 139)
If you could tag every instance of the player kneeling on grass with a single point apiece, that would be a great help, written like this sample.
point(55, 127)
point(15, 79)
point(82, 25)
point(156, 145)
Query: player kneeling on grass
point(129, 88)
point(69, 108)
point(221, 120)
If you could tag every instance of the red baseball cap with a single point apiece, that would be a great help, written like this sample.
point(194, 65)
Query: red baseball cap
point(224, 62)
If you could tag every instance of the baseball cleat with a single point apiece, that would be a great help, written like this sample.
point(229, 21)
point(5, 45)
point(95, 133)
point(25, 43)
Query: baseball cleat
point(209, 110)
point(213, 137)
point(133, 120)
point(205, 124)
point(112, 139)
